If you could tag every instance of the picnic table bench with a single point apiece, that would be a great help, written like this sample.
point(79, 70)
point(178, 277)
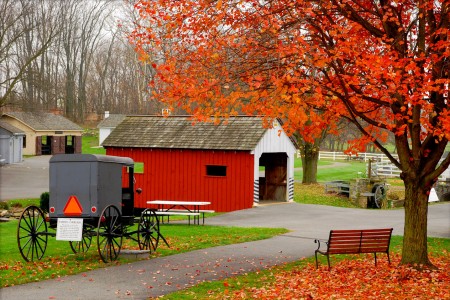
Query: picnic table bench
point(356, 242)
point(181, 208)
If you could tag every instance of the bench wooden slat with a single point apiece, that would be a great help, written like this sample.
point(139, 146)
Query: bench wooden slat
point(356, 242)
point(184, 212)
point(176, 213)
point(207, 211)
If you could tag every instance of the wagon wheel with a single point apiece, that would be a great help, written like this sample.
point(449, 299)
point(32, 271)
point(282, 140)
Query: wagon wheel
point(32, 233)
point(379, 193)
point(110, 233)
point(148, 231)
point(86, 240)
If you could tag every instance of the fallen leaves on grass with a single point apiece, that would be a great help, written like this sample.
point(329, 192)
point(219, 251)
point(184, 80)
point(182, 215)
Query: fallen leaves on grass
point(20, 272)
point(356, 279)
point(315, 194)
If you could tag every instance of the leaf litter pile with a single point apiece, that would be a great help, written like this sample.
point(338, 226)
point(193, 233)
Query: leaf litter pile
point(354, 279)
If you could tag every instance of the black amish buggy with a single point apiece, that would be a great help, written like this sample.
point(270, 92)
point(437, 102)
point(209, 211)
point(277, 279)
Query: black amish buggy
point(91, 196)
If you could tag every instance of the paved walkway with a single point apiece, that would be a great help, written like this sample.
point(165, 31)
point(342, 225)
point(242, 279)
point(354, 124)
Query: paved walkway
point(159, 276)
point(28, 179)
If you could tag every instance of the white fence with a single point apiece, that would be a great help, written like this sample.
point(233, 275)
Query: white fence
point(385, 169)
point(379, 157)
point(381, 165)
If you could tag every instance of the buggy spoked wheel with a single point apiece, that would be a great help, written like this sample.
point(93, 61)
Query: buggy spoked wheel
point(86, 240)
point(378, 196)
point(109, 234)
point(32, 233)
point(148, 231)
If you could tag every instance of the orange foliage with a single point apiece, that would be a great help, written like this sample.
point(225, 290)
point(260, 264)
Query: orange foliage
point(383, 65)
point(355, 279)
point(370, 63)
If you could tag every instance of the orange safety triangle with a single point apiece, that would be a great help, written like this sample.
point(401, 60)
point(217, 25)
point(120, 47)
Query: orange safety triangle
point(73, 207)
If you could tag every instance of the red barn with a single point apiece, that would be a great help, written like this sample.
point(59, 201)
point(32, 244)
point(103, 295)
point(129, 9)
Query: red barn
point(233, 164)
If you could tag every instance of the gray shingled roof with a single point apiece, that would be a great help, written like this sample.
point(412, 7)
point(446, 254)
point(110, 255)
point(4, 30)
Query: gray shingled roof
point(236, 133)
point(44, 121)
point(112, 121)
point(10, 128)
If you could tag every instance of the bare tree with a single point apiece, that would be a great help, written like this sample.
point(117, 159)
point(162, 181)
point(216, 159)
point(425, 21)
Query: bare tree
point(72, 55)
point(83, 33)
point(27, 29)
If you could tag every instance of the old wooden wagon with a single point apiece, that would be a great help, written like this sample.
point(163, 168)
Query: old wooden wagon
point(90, 196)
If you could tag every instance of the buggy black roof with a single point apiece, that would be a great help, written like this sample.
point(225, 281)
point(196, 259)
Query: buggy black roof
point(92, 158)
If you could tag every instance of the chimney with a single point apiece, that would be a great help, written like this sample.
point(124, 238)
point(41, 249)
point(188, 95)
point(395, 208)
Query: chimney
point(106, 114)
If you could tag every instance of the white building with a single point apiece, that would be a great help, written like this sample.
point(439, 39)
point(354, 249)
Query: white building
point(107, 125)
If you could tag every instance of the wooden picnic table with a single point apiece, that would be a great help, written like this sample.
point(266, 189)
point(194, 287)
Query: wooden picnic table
point(181, 208)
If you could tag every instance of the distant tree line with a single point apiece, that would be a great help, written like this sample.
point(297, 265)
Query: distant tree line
point(72, 56)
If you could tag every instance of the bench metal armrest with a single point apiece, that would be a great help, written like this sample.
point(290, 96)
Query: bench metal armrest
point(317, 241)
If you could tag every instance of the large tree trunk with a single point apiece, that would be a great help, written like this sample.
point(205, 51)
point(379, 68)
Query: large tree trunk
point(415, 250)
point(310, 157)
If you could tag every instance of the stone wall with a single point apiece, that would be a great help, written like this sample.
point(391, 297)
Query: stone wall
point(361, 190)
point(443, 190)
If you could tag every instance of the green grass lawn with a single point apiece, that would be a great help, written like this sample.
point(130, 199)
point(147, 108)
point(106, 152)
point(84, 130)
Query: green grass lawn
point(343, 171)
point(90, 143)
point(315, 194)
point(59, 260)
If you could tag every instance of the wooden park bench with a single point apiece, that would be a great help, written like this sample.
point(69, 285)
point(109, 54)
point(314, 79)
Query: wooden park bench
point(181, 208)
point(356, 242)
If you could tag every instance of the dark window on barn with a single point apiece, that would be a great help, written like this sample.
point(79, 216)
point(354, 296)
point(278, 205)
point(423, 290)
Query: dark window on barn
point(24, 141)
point(216, 171)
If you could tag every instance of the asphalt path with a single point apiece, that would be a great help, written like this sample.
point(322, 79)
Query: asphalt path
point(159, 276)
point(28, 179)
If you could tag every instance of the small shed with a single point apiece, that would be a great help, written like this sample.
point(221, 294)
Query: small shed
point(107, 125)
point(46, 133)
point(233, 164)
point(11, 143)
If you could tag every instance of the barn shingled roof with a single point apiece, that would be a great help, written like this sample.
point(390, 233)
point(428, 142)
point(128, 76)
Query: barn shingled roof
point(177, 132)
point(39, 121)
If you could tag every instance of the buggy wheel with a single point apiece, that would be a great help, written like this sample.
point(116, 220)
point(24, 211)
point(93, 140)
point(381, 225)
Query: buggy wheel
point(148, 231)
point(86, 240)
point(109, 234)
point(32, 233)
point(379, 193)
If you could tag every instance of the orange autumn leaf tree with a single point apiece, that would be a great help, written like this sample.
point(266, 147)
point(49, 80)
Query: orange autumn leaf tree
point(383, 65)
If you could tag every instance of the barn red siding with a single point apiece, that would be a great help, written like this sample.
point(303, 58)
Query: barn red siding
point(181, 175)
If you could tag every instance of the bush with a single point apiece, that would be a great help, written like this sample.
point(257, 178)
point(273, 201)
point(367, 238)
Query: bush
point(4, 205)
point(44, 202)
